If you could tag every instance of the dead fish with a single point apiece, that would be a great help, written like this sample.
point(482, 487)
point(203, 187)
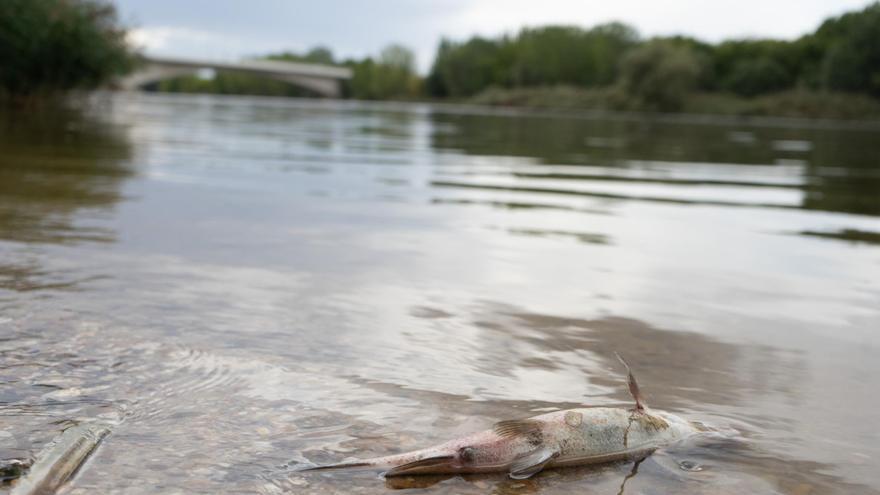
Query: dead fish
point(524, 447)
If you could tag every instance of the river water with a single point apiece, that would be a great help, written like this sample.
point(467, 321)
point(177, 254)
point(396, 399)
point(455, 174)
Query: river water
point(245, 286)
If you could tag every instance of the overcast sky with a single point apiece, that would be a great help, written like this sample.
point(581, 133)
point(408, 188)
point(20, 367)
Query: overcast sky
point(232, 29)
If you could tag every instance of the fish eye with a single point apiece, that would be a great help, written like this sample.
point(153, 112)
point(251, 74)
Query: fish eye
point(467, 454)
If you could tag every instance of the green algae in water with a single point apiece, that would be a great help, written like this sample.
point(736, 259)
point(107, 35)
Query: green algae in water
point(12, 469)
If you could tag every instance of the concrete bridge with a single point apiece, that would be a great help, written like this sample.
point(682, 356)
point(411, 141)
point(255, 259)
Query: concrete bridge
point(322, 79)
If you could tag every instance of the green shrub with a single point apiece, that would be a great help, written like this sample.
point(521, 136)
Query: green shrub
point(851, 45)
point(392, 75)
point(756, 66)
point(464, 69)
point(751, 77)
point(659, 75)
point(48, 46)
point(535, 57)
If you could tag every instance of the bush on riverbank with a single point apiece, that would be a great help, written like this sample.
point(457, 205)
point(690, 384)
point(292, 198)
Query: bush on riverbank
point(50, 46)
point(841, 55)
point(802, 103)
point(659, 75)
point(831, 72)
point(794, 103)
point(392, 75)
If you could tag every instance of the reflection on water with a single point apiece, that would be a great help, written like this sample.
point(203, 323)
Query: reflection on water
point(60, 176)
point(822, 170)
point(55, 163)
point(852, 235)
point(241, 286)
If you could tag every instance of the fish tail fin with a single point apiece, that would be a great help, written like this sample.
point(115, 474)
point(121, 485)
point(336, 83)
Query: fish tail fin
point(633, 385)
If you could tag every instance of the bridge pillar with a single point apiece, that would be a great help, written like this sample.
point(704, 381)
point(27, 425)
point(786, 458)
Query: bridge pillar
point(152, 73)
point(323, 86)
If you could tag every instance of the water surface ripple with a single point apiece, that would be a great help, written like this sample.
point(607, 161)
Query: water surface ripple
point(244, 286)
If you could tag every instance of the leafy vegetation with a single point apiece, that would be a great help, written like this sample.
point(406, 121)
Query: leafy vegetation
point(841, 56)
point(851, 60)
point(47, 46)
point(548, 56)
point(390, 76)
point(659, 75)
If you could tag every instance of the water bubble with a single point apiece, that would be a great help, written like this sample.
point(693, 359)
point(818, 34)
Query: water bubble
point(690, 466)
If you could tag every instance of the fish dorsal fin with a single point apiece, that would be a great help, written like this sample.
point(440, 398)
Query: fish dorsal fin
point(425, 465)
point(517, 427)
point(531, 463)
point(633, 385)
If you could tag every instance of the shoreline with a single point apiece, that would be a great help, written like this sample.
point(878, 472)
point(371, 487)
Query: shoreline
point(468, 107)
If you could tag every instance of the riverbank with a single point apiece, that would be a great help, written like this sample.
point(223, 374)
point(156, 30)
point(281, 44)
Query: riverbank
point(794, 103)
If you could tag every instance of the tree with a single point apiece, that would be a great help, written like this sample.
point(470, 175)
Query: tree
point(464, 69)
point(555, 55)
point(751, 77)
point(392, 75)
point(48, 46)
point(319, 55)
point(658, 75)
point(852, 59)
point(757, 66)
point(545, 56)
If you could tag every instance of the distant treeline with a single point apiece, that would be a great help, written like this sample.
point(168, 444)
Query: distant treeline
point(609, 63)
point(55, 45)
point(843, 54)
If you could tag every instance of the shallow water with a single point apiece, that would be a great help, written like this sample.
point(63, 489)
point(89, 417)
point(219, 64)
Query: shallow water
point(244, 286)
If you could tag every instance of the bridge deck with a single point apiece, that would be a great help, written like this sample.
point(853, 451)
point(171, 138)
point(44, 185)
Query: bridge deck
point(276, 67)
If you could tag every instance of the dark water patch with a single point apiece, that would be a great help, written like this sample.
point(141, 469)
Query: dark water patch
point(585, 237)
point(31, 276)
point(12, 469)
point(514, 205)
point(57, 165)
point(854, 236)
point(659, 353)
point(691, 182)
point(596, 194)
point(428, 312)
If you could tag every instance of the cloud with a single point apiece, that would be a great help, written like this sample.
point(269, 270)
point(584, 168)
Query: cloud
point(181, 41)
point(232, 29)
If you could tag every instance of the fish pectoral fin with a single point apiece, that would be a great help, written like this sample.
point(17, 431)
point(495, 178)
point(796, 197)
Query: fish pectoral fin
point(531, 463)
point(517, 427)
point(426, 465)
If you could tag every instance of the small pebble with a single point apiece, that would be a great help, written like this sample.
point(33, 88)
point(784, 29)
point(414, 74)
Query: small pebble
point(690, 466)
